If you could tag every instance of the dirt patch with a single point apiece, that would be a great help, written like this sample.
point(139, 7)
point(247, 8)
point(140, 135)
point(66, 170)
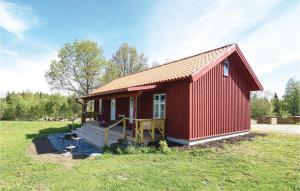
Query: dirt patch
point(220, 143)
point(41, 150)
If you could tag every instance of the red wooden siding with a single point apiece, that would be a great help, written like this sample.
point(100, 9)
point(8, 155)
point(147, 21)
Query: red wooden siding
point(220, 104)
point(106, 110)
point(145, 105)
point(122, 107)
point(177, 109)
point(96, 105)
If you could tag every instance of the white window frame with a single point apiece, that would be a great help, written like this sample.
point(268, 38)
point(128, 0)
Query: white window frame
point(226, 67)
point(113, 103)
point(159, 102)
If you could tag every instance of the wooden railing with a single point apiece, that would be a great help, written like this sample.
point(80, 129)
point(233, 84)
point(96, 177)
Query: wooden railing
point(114, 125)
point(86, 115)
point(150, 125)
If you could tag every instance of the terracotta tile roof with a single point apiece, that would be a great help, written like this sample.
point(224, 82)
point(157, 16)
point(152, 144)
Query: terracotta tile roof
point(174, 70)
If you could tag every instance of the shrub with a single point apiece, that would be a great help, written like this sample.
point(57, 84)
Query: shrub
point(163, 146)
point(124, 147)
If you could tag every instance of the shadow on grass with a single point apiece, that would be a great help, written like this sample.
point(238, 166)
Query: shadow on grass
point(44, 146)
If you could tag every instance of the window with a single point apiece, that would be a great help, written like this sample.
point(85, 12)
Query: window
point(100, 105)
point(159, 106)
point(226, 67)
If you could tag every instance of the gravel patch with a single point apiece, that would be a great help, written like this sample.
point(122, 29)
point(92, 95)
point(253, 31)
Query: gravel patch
point(287, 129)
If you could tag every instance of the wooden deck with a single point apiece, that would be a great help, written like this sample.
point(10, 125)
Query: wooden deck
point(93, 133)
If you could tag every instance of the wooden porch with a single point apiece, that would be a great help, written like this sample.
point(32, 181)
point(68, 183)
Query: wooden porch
point(141, 131)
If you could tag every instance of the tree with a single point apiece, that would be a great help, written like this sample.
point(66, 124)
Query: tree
point(111, 73)
point(276, 105)
point(154, 64)
point(291, 97)
point(79, 68)
point(260, 106)
point(124, 62)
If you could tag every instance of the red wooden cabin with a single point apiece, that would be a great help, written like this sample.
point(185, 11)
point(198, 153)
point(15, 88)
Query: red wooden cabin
point(201, 97)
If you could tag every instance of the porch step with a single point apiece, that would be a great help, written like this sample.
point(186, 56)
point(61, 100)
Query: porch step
point(98, 132)
point(96, 135)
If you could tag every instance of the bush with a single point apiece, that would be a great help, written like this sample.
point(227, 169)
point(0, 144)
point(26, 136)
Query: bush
point(124, 147)
point(163, 146)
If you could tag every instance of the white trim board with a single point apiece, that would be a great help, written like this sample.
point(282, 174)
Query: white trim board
point(205, 140)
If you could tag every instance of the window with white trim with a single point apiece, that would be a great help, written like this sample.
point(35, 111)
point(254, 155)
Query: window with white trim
point(226, 67)
point(159, 106)
point(100, 105)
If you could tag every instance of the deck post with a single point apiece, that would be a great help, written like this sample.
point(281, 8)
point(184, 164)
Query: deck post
point(152, 129)
point(124, 129)
point(142, 132)
point(106, 137)
point(134, 122)
point(136, 131)
point(83, 118)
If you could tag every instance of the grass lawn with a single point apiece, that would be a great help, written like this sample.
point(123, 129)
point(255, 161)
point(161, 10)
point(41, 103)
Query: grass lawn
point(267, 163)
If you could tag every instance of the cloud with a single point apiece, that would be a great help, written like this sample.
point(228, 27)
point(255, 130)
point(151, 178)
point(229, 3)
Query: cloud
point(182, 28)
point(267, 32)
point(8, 52)
point(274, 44)
point(16, 18)
point(27, 73)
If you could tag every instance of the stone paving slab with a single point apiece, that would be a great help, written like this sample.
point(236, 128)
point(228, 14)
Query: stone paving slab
point(288, 129)
point(84, 148)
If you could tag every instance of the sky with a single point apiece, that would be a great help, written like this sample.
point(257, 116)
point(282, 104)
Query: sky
point(31, 32)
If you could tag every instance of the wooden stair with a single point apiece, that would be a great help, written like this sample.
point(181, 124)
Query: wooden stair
point(95, 135)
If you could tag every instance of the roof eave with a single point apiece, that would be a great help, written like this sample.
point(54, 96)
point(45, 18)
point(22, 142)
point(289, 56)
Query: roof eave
point(200, 72)
point(234, 48)
point(257, 82)
point(129, 89)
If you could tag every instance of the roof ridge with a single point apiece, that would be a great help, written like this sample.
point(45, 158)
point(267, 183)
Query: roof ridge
point(167, 63)
point(191, 56)
point(180, 59)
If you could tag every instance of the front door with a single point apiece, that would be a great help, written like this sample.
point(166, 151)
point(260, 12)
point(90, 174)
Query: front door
point(113, 109)
point(131, 110)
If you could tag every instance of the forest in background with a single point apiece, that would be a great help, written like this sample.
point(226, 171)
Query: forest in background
point(36, 106)
point(269, 104)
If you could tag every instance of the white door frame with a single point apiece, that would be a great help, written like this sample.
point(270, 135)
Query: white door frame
point(131, 105)
point(113, 109)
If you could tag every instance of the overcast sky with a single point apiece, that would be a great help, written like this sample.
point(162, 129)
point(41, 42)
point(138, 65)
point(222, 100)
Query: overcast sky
point(31, 32)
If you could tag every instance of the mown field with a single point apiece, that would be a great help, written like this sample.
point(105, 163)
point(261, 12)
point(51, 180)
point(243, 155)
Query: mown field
point(269, 162)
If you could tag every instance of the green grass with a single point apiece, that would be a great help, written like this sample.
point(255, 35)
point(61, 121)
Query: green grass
point(267, 163)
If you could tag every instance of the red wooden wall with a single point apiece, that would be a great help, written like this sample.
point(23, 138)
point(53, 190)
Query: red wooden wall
point(177, 110)
point(122, 107)
point(106, 110)
point(145, 104)
point(220, 104)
